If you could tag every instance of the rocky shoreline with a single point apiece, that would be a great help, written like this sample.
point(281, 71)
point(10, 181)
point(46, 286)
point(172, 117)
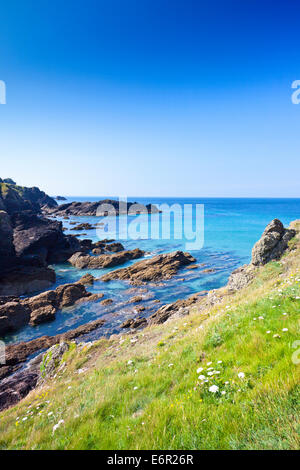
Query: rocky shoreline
point(30, 243)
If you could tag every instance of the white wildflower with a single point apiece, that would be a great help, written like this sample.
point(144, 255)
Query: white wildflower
point(241, 375)
point(56, 426)
point(213, 388)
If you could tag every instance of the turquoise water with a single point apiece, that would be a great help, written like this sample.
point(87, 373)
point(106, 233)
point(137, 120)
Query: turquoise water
point(231, 227)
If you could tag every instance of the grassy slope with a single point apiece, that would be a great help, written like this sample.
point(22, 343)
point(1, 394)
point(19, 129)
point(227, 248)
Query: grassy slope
point(102, 408)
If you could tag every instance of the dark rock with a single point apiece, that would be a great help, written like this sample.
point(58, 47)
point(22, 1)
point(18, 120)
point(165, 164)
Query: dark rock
point(25, 280)
point(14, 388)
point(97, 251)
point(93, 208)
point(85, 226)
point(7, 249)
point(35, 235)
point(13, 315)
point(114, 247)
point(8, 181)
point(60, 198)
point(42, 315)
point(18, 199)
point(154, 269)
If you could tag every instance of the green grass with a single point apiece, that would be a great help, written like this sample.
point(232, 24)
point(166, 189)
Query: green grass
point(171, 408)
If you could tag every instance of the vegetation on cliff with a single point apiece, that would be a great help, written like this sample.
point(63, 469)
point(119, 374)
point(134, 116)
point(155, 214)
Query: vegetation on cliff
point(222, 378)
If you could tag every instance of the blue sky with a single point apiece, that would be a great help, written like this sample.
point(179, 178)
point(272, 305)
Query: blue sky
point(151, 98)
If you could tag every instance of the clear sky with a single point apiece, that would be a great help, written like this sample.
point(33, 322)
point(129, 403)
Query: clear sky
point(151, 97)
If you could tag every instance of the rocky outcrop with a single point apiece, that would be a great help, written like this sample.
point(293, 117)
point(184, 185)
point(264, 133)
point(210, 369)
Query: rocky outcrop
point(7, 250)
point(134, 323)
point(158, 268)
point(60, 198)
point(84, 261)
point(272, 244)
point(91, 208)
point(41, 308)
point(28, 241)
point(34, 235)
point(18, 198)
point(51, 360)
point(87, 280)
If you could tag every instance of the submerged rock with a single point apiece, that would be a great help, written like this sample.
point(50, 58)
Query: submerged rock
point(83, 261)
point(85, 226)
point(106, 302)
point(154, 269)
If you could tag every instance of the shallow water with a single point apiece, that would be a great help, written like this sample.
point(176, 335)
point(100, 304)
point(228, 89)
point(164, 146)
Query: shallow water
point(231, 227)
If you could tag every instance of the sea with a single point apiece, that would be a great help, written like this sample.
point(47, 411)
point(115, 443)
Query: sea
point(226, 230)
